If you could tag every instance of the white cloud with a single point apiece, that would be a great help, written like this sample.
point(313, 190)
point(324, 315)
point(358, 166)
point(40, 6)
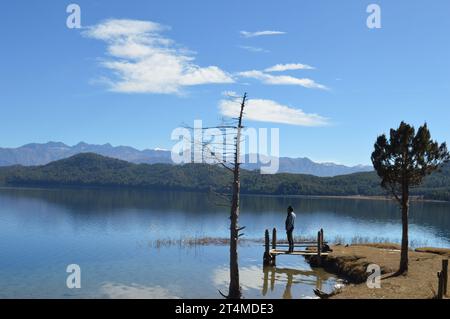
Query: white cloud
point(253, 49)
point(271, 111)
point(112, 29)
point(281, 79)
point(288, 67)
point(247, 34)
point(146, 62)
point(230, 94)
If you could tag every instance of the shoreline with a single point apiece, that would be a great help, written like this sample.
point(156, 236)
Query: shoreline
point(351, 262)
point(354, 197)
point(417, 199)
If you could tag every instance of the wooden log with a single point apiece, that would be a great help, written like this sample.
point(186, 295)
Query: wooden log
point(274, 238)
point(440, 292)
point(319, 250)
point(298, 245)
point(445, 275)
point(274, 246)
point(266, 258)
point(321, 238)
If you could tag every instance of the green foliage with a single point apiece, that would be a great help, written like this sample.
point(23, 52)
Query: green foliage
point(98, 171)
point(407, 158)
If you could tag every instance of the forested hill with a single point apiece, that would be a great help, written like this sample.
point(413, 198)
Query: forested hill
point(95, 170)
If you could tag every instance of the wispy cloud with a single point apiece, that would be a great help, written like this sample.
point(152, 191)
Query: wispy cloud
point(253, 49)
point(144, 61)
point(270, 111)
point(231, 94)
point(281, 79)
point(289, 67)
point(247, 34)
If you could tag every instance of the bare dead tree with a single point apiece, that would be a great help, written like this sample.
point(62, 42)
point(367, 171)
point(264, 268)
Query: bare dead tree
point(234, 291)
point(230, 160)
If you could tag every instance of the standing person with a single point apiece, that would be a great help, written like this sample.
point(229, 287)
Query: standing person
point(290, 222)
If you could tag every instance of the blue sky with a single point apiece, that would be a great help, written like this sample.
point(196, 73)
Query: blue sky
point(171, 61)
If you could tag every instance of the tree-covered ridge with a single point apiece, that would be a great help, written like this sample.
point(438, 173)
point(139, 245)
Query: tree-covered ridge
point(95, 170)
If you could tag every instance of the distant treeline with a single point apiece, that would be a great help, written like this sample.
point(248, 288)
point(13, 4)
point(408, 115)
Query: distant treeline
point(95, 170)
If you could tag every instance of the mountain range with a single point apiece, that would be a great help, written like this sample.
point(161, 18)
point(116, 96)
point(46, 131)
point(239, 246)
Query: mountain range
point(40, 154)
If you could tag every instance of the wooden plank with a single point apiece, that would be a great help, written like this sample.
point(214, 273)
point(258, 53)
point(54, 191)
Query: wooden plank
point(300, 242)
point(445, 275)
point(311, 244)
point(298, 252)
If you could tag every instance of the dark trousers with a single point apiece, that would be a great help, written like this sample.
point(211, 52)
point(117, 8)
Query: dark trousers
point(290, 238)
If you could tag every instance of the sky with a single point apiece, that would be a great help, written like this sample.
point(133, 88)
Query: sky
point(136, 70)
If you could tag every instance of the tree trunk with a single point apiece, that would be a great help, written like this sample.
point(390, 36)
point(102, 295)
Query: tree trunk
point(405, 243)
point(234, 291)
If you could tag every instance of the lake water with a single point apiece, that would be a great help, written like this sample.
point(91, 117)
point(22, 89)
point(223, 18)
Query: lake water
point(127, 241)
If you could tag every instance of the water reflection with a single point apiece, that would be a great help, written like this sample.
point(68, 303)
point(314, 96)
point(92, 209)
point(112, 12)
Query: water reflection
point(177, 214)
point(111, 290)
point(284, 282)
point(290, 277)
point(107, 232)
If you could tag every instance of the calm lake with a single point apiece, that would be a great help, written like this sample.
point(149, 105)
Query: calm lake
point(127, 242)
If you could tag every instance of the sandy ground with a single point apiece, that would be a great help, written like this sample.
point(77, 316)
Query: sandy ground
point(419, 283)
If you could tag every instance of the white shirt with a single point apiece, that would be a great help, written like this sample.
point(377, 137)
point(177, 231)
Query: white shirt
point(290, 221)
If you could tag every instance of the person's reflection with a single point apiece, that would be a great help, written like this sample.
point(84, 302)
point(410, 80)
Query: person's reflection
point(273, 271)
point(287, 291)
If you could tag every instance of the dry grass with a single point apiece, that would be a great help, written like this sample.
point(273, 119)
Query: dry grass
point(419, 283)
point(391, 246)
point(192, 242)
point(378, 242)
